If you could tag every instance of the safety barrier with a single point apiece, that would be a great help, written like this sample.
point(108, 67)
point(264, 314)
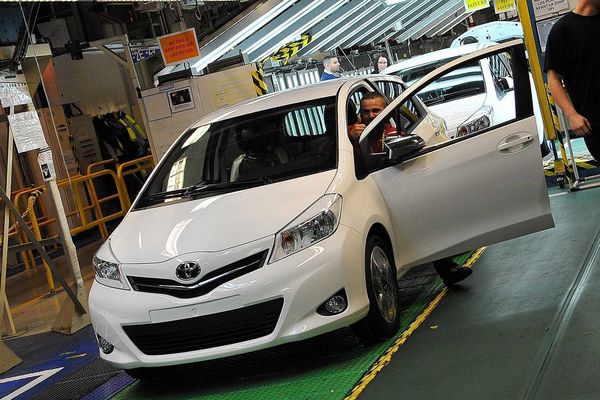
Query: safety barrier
point(88, 208)
point(142, 165)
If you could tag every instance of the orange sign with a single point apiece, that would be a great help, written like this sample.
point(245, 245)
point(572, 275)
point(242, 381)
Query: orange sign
point(178, 47)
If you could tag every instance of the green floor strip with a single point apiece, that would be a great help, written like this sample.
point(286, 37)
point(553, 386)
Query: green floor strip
point(323, 368)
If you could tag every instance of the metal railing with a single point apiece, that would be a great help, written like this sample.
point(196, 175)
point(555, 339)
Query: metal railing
point(87, 207)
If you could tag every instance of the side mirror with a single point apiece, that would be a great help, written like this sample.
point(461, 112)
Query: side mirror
point(507, 83)
point(401, 146)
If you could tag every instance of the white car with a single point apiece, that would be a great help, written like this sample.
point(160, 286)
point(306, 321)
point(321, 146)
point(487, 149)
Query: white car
point(472, 98)
point(263, 224)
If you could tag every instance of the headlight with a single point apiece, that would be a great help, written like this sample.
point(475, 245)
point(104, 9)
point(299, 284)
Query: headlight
point(316, 223)
point(480, 120)
point(109, 274)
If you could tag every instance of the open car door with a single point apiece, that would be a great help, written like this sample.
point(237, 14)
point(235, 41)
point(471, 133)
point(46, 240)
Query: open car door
point(477, 189)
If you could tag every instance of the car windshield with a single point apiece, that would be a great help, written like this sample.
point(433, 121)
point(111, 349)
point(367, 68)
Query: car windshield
point(463, 82)
point(252, 150)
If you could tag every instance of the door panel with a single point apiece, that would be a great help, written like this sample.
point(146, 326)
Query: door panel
point(466, 195)
point(479, 189)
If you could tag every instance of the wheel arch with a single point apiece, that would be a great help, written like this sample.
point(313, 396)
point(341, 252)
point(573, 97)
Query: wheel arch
point(380, 230)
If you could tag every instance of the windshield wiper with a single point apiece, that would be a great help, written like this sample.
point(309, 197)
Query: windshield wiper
point(206, 187)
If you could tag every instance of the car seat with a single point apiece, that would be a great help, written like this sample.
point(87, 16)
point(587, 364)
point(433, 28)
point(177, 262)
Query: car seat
point(257, 154)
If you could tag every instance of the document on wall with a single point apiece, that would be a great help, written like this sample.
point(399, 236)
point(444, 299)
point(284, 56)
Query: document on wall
point(14, 94)
point(46, 165)
point(27, 131)
point(543, 28)
point(544, 8)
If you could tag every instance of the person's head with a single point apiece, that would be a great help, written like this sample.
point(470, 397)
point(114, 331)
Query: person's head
point(382, 63)
point(371, 105)
point(331, 64)
point(587, 7)
point(596, 4)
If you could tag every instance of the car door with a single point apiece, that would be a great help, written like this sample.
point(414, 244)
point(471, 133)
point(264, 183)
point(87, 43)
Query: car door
point(471, 191)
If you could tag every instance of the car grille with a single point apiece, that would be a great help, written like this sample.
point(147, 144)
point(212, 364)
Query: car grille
point(204, 285)
point(206, 331)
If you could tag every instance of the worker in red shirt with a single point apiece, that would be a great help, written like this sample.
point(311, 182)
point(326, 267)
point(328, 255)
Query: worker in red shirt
point(371, 105)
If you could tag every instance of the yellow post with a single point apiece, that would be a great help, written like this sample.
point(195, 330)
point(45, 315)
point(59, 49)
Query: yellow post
point(536, 67)
point(97, 207)
point(38, 235)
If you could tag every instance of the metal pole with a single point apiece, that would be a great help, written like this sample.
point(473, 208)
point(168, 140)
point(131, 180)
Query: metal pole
point(70, 249)
point(6, 226)
point(388, 49)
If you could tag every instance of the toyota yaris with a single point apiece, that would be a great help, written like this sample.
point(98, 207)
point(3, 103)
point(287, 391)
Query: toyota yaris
point(264, 224)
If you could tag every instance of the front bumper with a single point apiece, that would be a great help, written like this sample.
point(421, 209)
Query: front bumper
point(303, 281)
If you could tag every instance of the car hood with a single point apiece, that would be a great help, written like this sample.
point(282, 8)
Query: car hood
point(214, 223)
point(458, 111)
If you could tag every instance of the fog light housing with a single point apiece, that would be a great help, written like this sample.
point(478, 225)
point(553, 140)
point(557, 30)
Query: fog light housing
point(336, 304)
point(105, 345)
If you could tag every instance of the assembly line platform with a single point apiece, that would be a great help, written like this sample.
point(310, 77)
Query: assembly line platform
point(525, 325)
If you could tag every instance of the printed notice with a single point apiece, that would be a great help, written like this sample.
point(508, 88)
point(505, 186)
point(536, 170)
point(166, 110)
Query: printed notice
point(474, 5)
point(501, 6)
point(46, 165)
point(543, 28)
point(27, 131)
point(14, 94)
point(179, 47)
point(543, 8)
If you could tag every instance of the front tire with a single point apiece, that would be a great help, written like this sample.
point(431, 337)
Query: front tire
point(383, 319)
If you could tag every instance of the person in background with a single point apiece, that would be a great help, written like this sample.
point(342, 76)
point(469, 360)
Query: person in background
point(572, 58)
point(382, 63)
point(332, 68)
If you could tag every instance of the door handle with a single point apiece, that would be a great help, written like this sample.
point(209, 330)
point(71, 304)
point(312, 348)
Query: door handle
point(522, 140)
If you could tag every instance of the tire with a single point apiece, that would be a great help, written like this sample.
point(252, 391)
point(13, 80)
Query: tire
point(383, 319)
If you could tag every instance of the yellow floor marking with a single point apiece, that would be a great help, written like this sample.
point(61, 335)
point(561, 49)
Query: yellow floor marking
point(387, 356)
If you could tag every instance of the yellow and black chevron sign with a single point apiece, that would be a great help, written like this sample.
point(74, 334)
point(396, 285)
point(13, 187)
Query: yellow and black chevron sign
point(289, 50)
point(258, 79)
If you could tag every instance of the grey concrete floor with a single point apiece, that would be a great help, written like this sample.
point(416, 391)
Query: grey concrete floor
point(525, 325)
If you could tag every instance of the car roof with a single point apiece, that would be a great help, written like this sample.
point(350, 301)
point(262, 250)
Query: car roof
point(434, 56)
point(277, 99)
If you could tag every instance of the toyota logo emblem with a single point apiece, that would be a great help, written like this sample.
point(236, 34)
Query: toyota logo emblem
point(187, 271)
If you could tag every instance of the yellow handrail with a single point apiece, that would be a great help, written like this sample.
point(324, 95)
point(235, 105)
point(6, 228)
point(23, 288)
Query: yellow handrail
point(91, 166)
point(143, 164)
point(88, 209)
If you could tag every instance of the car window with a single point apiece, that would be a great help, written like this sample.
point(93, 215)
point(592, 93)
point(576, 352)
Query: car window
point(469, 102)
point(443, 123)
point(353, 104)
point(390, 89)
point(251, 150)
point(501, 70)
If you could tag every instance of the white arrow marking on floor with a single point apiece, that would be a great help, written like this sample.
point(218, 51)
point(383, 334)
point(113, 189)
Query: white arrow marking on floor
point(41, 376)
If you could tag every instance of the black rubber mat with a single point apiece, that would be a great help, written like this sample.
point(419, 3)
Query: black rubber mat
point(80, 383)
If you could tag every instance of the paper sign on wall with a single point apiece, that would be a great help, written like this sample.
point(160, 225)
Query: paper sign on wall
point(542, 8)
point(46, 165)
point(474, 5)
point(178, 47)
point(501, 6)
point(14, 94)
point(27, 131)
